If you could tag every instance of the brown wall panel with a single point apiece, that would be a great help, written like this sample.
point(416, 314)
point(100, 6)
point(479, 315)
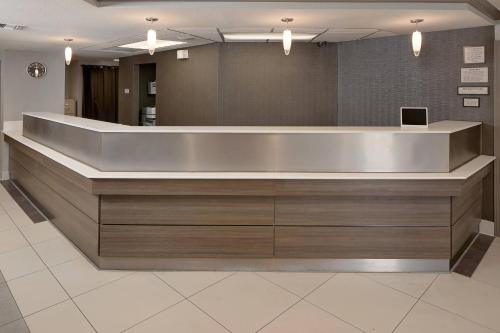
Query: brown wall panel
point(465, 228)
point(81, 199)
point(363, 242)
point(187, 210)
point(263, 87)
point(186, 241)
point(462, 203)
point(77, 226)
point(363, 211)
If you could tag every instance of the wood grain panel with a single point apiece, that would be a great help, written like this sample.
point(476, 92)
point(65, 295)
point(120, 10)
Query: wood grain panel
point(84, 201)
point(63, 172)
point(186, 241)
point(183, 187)
point(258, 187)
point(363, 242)
point(363, 187)
point(187, 210)
point(463, 202)
point(363, 211)
point(78, 227)
point(466, 228)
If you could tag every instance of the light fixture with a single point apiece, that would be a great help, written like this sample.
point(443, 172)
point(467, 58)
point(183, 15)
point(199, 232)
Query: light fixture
point(151, 36)
point(68, 52)
point(287, 36)
point(264, 36)
point(144, 45)
point(416, 38)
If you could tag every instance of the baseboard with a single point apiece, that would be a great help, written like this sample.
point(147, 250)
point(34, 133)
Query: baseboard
point(487, 227)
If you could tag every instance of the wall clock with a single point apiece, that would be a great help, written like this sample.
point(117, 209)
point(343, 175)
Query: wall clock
point(36, 70)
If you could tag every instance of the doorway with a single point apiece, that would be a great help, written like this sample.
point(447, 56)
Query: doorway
point(100, 93)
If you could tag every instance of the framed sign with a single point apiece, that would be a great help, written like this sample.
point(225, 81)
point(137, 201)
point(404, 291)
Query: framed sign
point(474, 54)
point(474, 75)
point(471, 102)
point(473, 91)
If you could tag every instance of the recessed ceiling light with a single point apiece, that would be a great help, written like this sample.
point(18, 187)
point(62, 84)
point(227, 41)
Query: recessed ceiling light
point(271, 36)
point(144, 44)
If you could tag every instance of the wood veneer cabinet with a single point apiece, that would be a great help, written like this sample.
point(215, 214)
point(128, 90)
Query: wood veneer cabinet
point(252, 224)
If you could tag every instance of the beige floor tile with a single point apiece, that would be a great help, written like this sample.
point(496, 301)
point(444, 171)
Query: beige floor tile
point(430, 319)
point(244, 302)
point(362, 302)
point(489, 269)
point(79, 276)
point(300, 284)
point(413, 284)
point(124, 303)
point(189, 283)
point(61, 318)
point(304, 317)
point(40, 232)
point(11, 240)
point(474, 300)
point(56, 251)
point(18, 326)
point(180, 318)
point(17, 215)
point(5, 221)
point(20, 262)
point(36, 291)
point(4, 195)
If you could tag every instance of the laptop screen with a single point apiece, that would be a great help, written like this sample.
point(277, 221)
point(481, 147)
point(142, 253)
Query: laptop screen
point(414, 116)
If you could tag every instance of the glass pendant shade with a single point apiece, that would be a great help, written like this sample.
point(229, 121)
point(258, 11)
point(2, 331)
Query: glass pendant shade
point(287, 41)
point(416, 40)
point(151, 41)
point(68, 54)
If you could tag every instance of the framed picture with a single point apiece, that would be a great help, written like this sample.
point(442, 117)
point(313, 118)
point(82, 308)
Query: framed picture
point(473, 90)
point(474, 54)
point(474, 74)
point(471, 102)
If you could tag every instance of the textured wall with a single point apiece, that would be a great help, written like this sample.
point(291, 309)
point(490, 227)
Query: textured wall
point(261, 86)
point(378, 76)
point(238, 84)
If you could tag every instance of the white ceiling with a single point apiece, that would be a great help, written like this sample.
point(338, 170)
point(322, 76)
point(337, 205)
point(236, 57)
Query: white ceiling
point(98, 30)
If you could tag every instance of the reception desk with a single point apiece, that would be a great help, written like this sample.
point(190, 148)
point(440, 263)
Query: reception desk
point(242, 198)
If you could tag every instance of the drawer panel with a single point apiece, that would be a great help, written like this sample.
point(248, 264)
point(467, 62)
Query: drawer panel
point(187, 210)
point(363, 211)
point(465, 228)
point(363, 242)
point(185, 241)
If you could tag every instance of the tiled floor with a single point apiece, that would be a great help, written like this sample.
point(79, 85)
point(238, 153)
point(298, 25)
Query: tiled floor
point(57, 290)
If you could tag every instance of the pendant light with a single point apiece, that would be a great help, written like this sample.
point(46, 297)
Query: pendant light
point(68, 52)
point(416, 38)
point(151, 36)
point(287, 36)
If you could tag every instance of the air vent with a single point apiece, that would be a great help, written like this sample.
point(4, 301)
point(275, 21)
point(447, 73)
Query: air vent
point(11, 27)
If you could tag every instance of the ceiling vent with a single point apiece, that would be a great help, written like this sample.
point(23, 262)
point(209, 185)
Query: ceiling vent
point(11, 27)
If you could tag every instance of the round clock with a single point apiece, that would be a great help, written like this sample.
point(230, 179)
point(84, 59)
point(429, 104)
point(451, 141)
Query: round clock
point(36, 70)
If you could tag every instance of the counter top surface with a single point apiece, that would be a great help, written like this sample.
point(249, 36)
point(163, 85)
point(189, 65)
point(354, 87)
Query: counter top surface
point(446, 127)
point(461, 173)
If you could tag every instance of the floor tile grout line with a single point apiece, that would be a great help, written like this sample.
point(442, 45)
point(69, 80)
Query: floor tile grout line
point(459, 315)
point(52, 274)
point(195, 305)
point(212, 284)
point(310, 303)
point(103, 285)
point(153, 315)
point(391, 287)
point(414, 304)
point(300, 298)
point(17, 305)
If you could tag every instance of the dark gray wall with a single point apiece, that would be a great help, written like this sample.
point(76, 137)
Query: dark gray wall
point(378, 76)
point(262, 86)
